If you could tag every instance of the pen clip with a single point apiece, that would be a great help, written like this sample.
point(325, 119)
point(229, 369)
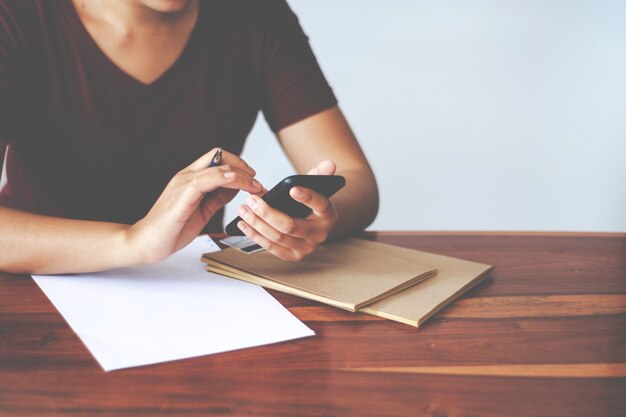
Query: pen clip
point(217, 158)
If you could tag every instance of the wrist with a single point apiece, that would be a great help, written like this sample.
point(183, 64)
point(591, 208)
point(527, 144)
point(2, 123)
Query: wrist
point(142, 246)
point(129, 251)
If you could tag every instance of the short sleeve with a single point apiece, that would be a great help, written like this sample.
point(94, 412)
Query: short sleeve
point(294, 86)
point(8, 33)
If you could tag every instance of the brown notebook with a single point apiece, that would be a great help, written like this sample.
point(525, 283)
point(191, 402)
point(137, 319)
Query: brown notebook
point(418, 303)
point(413, 305)
point(340, 273)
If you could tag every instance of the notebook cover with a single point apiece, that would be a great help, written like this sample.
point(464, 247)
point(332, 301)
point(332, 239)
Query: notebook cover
point(272, 285)
point(417, 303)
point(352, 274)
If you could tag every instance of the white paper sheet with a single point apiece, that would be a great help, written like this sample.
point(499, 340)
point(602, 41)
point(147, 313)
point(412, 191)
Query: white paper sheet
point(172, 310)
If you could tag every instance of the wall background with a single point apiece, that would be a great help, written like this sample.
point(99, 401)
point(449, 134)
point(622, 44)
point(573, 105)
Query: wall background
point(477, 115)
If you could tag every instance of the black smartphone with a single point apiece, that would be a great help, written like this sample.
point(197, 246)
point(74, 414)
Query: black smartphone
point(279, 198)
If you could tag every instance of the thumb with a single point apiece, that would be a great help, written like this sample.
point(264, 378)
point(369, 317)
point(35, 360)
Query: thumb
point(216, 200)
point(324, 168)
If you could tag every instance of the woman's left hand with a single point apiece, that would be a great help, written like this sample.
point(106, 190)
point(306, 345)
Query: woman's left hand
point(289, 238)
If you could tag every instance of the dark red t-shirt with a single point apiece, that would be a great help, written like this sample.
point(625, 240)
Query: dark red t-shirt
point(88, 141)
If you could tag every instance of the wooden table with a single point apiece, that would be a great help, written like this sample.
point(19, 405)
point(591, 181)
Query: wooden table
point(545, 335)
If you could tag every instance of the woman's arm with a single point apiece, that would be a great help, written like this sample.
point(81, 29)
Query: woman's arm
point(31, 243)
point(36, 244)
point(40, 244)
point(322, 144)
point(327, 136)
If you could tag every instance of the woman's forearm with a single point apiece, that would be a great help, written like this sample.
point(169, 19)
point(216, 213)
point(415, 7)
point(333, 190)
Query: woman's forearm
point(35, 244)
point(356, 204)
point(31, 243)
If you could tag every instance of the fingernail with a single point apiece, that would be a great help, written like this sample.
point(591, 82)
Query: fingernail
point(257, 185)
point(229, 175)
point(242, 226)
point(251, 201)
point(243, 211)
point(297, 192)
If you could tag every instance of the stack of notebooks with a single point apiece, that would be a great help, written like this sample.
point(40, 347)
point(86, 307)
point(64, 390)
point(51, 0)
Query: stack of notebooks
point(387, 281)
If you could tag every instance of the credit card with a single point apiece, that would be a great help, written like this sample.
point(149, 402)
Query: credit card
point(243, 244)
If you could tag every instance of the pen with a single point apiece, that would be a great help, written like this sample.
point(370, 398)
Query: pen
point(217, 158)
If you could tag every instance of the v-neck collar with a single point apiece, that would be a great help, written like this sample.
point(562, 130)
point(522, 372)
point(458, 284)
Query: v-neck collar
point(129, 82)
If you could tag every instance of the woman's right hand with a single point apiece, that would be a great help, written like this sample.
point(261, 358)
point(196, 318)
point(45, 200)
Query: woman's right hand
point(187, 204)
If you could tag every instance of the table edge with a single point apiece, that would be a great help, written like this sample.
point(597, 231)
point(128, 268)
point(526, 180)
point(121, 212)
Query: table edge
point(373, 233)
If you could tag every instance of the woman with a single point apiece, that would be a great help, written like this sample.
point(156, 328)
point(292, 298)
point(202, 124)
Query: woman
point(109, 107)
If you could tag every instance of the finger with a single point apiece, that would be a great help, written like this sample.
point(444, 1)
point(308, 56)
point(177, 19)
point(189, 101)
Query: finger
point(271, 233)
point(227, 159)
point(262, 192)
point(223, 169)
point(235, 161)
point(319, 203)
point(224, 176)
point(204, 161)
point(216, 200)
point(209, 205)
point(280, 251)
point(324, 168)
point(280, 221)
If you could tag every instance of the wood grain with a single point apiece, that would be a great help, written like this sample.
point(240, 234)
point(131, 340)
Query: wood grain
point(497, 307)
point(544, 335)
point(389, 234)
point(537, 306)
point(566, 370)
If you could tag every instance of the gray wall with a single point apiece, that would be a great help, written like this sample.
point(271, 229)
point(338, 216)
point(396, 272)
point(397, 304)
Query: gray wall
point(477, 115)
point(483, 115)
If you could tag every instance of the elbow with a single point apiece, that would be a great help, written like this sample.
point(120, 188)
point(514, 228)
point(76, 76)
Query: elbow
point(358, 206)
point(369, 204)
point(373, 205)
